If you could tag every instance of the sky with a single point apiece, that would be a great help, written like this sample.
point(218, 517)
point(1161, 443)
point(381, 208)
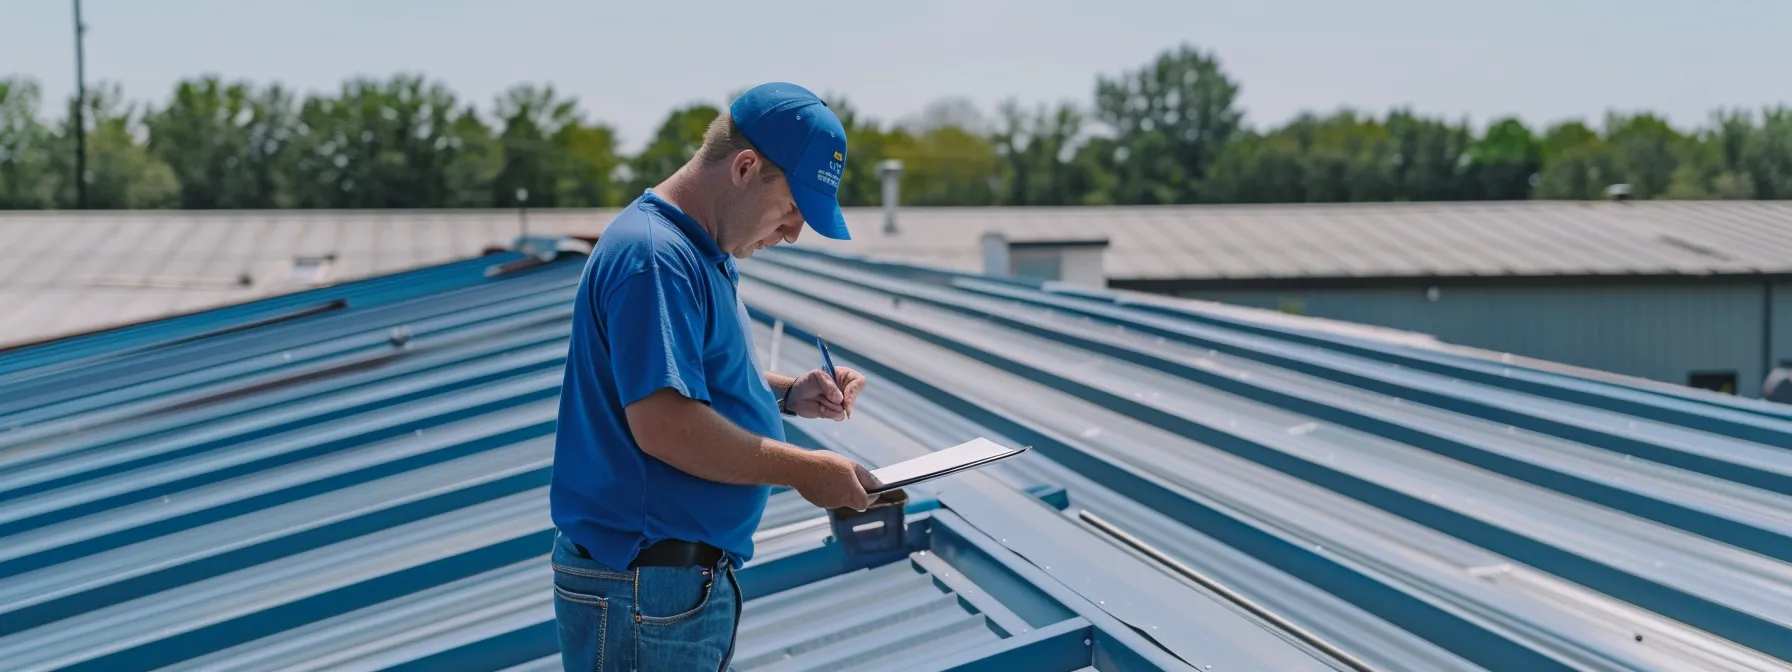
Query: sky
point(628, 64)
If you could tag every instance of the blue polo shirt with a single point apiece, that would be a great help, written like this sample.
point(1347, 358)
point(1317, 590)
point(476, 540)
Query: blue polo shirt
point(657, 308)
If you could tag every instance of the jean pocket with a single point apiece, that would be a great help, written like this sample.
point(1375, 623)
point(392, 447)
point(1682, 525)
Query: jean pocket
point(699, 636)
point(670, 595)
point(583, 622)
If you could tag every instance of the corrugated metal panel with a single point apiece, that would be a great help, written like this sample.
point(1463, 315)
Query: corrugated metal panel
point(1662, 333)
point(222, 491)
point(300, 493)
point(1491, 521)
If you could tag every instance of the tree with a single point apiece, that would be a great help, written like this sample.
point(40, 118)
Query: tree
point(1767, 155)
point(1172, 119)
point(589, 158)
point(377, 144)
point(27, 180)
point(1505, 161)
point(531, 116)
point(673, 145)
point(867, 144)
point(1430, 157)
point(945, 166)
point(1576, 164)
point(1039, 152)
point(226, 143)
point(121, 173)
point(1647, 152)
point(477, 161)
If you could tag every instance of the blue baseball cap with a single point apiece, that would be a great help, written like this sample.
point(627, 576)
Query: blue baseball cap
point(797, 132)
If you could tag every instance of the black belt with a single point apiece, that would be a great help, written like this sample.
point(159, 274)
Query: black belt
point(670, 553)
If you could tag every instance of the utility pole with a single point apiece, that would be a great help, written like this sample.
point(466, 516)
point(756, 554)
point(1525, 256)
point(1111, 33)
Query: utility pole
point(80, 113)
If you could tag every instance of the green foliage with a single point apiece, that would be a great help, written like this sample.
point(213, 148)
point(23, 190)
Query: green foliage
point(1504, 161)
point(1172, 118)
point(548, 152)
point(1169, 131)
point(121, 172)
point(673, 144)
point(226, 143)
point(27, 178)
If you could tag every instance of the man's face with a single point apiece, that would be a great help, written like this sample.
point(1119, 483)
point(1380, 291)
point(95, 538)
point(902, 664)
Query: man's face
point(761, 212)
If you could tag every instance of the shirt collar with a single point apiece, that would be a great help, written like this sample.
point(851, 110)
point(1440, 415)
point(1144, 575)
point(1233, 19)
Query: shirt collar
point(706, 244)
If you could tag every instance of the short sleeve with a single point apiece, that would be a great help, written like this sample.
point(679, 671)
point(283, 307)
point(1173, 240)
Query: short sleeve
point(654, 323)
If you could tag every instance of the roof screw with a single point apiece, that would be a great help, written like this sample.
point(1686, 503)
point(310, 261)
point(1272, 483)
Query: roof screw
point(1085, 642)
point(1639, 636)
point(401, 335)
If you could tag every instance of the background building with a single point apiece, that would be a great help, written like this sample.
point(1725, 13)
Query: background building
point(1690, 293)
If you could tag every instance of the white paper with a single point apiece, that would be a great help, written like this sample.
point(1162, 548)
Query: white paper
point(942, 462)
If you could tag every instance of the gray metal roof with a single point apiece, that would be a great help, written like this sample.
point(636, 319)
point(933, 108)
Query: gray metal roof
point(66, 272)
point(63, 272)
point(1380, 240)
point(287, 481)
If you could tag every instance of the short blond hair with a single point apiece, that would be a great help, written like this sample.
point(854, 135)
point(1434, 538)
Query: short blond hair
point(723, 139)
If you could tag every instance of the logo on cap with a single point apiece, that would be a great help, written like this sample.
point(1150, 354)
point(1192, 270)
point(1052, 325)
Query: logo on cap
point(838, 157)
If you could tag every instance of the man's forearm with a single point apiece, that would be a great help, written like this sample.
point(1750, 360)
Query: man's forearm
point(779, 382)
point(695, 439)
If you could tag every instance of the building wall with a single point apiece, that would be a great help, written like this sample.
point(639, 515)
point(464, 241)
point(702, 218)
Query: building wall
point(1782, 324)
point(1660, 332)
point(1078, 265)
point(1082, 266)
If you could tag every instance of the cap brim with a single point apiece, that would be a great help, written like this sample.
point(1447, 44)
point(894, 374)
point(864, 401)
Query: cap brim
point(821, 211)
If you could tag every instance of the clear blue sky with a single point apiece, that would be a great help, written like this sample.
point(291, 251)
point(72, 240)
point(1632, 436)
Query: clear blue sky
point(629, 63)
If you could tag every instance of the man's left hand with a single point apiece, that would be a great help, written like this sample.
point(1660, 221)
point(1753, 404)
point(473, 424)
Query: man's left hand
point(815, 395)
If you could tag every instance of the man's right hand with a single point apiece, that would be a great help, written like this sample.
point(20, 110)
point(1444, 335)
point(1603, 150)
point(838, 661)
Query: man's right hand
point(834, 481)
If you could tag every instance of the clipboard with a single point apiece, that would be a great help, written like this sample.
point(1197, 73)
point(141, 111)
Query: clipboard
point(973, 454)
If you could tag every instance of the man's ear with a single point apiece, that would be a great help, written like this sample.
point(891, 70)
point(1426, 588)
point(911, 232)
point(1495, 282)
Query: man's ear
point(745, 165)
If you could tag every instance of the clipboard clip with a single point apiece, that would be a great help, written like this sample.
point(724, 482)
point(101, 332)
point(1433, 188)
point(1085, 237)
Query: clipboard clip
point(876, 530)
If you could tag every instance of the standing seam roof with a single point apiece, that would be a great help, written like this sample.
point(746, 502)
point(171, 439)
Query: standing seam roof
point(363, 487)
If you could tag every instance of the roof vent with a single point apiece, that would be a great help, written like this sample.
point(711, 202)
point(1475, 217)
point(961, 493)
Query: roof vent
point(312, 270)
point(889, 171)
point(1070, 261)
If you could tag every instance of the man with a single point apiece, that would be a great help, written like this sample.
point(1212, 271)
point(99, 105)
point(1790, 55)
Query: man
point(670, 431)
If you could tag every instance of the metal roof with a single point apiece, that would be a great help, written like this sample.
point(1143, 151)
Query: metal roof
point(1369, 240)
point(354, 478)
point(1390, 498)
point(63, 272)
point(277, 484)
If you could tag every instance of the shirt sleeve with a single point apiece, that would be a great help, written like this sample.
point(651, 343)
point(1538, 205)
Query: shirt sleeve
point(655, 327)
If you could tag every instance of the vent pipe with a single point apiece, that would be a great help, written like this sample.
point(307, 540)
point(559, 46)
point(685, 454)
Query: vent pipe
point(889, 171)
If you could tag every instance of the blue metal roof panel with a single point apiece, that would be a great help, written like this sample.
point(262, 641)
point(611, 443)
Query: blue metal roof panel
point(305, 490)
point(1538, 502)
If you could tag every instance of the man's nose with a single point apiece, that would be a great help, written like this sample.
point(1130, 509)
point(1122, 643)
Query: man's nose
point(791, 233)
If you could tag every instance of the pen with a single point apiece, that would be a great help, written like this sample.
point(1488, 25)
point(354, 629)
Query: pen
point(827, 362)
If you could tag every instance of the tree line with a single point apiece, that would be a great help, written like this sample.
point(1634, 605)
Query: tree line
point(1169, 131)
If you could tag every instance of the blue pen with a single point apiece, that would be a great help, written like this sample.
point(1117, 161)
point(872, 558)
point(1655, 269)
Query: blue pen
point(827, 361)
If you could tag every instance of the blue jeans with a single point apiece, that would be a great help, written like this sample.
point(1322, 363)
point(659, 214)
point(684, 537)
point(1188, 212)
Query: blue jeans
point(647, 619)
